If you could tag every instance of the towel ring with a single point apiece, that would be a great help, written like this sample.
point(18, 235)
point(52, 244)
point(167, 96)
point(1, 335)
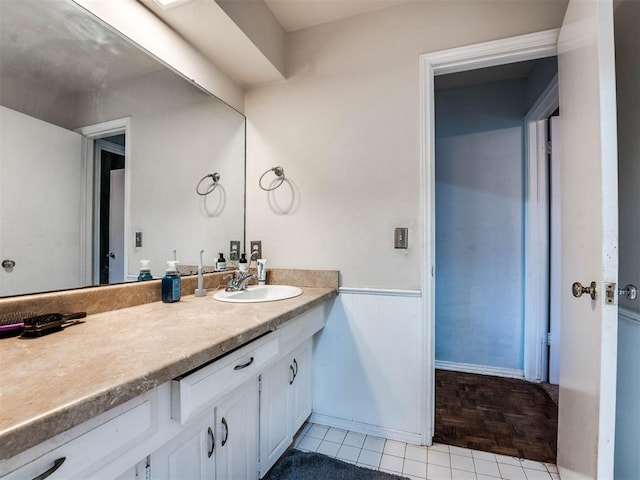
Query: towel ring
point(279, 172)
point(215, 178)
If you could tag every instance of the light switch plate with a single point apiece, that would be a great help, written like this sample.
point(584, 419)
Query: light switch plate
point(138, 239)
point(401, 237)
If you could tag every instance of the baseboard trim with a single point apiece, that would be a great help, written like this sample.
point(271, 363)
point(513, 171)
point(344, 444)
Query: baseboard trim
point(629, 315)
point(479, 369)
point(367, 429)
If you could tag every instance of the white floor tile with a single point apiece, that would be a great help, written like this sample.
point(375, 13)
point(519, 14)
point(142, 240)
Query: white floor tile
point(329, 448)
point(348, 453)
point(439, 458)
point(375, 444)
point(370, 457)
point(391, 463)
point(354, 439)
point(537, 474)
point(508, 460)
point(483, 455)
point(391, 447)
point(415, 452)
point(462, 475)
point(309, 444)
point(533, 465)
point(511, 472)
point(436, 472)
point(462, 463)
point(486, 467)
point(317, 431)
point(440, 447)
point(465, 452)
point(415, 468)
point(335, 435)
point(438, 462)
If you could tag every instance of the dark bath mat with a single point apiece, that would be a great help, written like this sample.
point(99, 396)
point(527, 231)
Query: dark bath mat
point(297, 465)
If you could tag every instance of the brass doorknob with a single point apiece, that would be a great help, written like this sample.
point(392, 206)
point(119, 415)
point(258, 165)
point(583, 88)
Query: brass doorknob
point(578, 290)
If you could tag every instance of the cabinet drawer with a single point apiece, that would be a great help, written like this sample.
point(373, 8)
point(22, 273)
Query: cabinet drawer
point(193, 392)
point(84, 453)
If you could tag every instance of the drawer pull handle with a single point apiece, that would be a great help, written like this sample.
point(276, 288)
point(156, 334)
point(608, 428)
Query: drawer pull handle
point(213, 442)
point(244, 365)
point(295, 362)
point(56, 465)
point(226, 429)
point(293, 374)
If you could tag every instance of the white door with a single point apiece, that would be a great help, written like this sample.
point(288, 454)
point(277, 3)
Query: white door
point(586, 73)
point(116, 227)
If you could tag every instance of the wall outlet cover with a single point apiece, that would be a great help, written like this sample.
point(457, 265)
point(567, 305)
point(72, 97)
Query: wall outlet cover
point(234, 250)
point(256, 246)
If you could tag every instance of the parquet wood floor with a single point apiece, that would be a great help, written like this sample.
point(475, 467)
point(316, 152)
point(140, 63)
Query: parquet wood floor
point(500, 415)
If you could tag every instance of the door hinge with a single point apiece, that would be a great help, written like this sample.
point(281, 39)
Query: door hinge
point(548, 147)
point(549, 338)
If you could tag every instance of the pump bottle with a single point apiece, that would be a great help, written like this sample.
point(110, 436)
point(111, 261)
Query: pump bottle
point(171, 283)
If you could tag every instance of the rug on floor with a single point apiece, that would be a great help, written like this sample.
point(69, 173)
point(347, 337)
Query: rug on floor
point(297, 465)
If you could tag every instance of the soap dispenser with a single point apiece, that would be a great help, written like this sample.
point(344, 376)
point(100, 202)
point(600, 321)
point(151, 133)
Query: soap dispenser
point(243, 265)
point(171, 283)
point(221, 263)
point(145, 271)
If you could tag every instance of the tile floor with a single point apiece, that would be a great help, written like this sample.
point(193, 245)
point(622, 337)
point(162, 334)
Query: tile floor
point(438, 462)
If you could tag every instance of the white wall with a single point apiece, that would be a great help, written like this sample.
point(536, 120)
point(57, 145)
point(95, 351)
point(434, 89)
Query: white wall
point(178, 135)
point(345, 126)
point(627, 444)
point(480, 225)
point(39, 213)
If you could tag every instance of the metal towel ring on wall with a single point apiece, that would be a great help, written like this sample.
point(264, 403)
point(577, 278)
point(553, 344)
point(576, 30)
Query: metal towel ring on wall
point(279, 172)
point(215, 178)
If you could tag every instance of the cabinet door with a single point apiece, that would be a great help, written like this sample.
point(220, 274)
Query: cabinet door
point(275, 421)
point(301, 387)
point(237, 434)
point(189, 455)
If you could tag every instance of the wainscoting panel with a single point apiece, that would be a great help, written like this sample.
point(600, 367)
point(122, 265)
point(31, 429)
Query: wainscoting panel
point(368, 369)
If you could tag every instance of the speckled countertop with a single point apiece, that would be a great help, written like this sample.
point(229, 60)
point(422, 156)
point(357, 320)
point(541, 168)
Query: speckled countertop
point(55, 382)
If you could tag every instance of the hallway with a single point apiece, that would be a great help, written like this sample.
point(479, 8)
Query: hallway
point(501, 415)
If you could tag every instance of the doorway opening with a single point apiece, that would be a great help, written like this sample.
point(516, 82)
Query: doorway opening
point(106, 224)
point(484, 230)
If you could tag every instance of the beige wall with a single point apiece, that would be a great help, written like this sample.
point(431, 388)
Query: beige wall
point(345, 126)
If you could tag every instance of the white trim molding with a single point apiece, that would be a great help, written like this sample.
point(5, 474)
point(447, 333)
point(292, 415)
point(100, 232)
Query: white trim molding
point(498, 52)
point(536, 234)
point(380, 291)
point(479, 369)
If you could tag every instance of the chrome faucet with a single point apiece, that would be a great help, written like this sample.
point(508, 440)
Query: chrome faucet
point(238, 281)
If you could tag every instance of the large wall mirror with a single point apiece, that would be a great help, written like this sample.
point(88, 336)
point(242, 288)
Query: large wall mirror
point(101, 150)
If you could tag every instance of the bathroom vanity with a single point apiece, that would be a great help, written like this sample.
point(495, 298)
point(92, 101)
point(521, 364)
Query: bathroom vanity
point(186, 390)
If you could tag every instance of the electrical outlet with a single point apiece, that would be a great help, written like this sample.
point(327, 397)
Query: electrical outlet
point(401, 237)
point(256, 246)
point(138, 239)
point(234, 250)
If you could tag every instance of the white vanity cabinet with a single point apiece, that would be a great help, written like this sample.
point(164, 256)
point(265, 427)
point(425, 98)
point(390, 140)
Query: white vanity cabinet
point(285, 403)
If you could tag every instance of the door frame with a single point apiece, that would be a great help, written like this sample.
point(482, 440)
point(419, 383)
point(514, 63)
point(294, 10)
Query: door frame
point(488, 54)
point(537, 247)
point(91, 134)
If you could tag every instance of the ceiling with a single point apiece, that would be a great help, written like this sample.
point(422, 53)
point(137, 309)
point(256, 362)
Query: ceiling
point(298, 14)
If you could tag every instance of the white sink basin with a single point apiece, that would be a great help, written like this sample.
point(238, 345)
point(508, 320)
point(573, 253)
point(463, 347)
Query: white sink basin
point(259, 293)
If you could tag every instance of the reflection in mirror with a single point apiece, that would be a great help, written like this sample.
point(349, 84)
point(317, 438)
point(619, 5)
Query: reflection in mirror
point(101, 149)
